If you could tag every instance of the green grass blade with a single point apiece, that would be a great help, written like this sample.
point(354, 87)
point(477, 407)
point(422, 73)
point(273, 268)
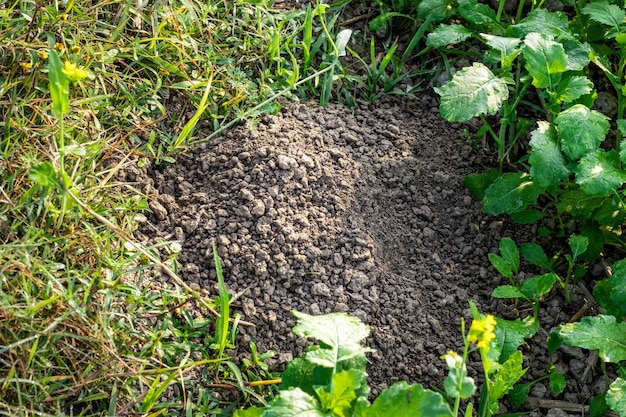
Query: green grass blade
point(221, 331)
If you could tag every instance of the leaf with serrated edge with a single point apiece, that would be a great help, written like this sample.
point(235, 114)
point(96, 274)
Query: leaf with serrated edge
point(547, 163)
point(435, 10)
point(581, 130)
point(541, 21)
point(445, 35)
point(572, 88)
point(510, 193)
point(545, 60)
point(505, 45)
point(607, 14)
point(339, 401)
point(578, 244)
point(616, 396)
point(339, 333)
point(294, 403)
point(597, 332)
point(472, 91)
point(599, 172)
point(403, 400)
point(478, 14)
point(539, 285)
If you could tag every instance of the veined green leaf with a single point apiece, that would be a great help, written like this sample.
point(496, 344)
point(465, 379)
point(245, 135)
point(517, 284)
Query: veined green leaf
point(534, 254)
point(340, 334)
point(578, 244)
point(472, 91)
point(510, 253)
point(505, 45)
point(611, 292)
point(303, 374)
point(505, 377)
point(436, 10)
point(478, 183)
point(579, 204)
point(547, 164)
point(457, 383)
point(343, 392)
point(539, 285)
point(445, 35)
point(571, 89)
point(578, 54)
point(607, 14)
point(616, 396)
point(508, 291)
point(545, 60)
point(59, 84)
point(597, 332)
point(403, 400)
point(541, 20)
point(511, 334)
point(478, 14)
point(557, 382)
point(510, 193)
point(44, 174)
point(581, 130)
point(248, 412)
point(294, 403)
point(599, 172)
point(502, 266)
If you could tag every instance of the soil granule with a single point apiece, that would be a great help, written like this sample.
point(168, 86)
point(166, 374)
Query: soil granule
point(336, 210)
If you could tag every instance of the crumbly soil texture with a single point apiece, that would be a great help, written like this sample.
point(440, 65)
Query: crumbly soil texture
point(361, 211)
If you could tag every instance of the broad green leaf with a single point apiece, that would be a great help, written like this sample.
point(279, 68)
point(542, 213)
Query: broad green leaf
point(436, 10)
point(611, 213)
point(507, 291)
point(457, 383)
point(44, 175)
point(598, 407)
point(511, 334)
point(303, 374)
point(505, 377)
point(577, 54)
point(339, 400)
point(249, 412)
point(445, 35)
point(502, 266)
point(581, 130)
point(607, 14)
point(59, 84)
point(509, 252)
point(557, 382)
point(599, 172)
point(339, 333)
point(472, 91)
point(505, 45)
point(611, 292)
point(539, 285)
point(578, 244)
point(591, 230)
point(579, 204)
point(519, 394)
point(478, 14)
point(534, 254)
point(597, 332)
point(294, 403)
point(527, 216)
point(547, 163)
point(379, 21)
point(403, 400)
point(542, 21)
point(478, 183)
point(545, 60)
point(571, 89)
point(616, 396)
point(510, 193)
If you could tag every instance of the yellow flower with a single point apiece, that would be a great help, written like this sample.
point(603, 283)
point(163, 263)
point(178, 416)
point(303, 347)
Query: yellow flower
point(481, 331)
point(73, 72)
point(42, 53)
point(59, 46)
point(75, 49)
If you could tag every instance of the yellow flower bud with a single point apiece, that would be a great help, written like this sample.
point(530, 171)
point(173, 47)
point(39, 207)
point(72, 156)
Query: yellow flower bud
point(73, 72)
point(482, 331)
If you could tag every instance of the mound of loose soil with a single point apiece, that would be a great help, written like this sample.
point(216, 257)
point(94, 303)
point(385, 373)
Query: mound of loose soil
point(361, 211)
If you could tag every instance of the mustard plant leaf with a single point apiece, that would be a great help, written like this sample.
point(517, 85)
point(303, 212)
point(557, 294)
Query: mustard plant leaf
point(249, 412)
point(503, 378)
point(507, 291)
point(599, 172)
point(294, 403)
point(404, 400)
point(436, 10)
point(502, 266)
point(557, 382)
point(578, 244)
point(541, 20)
point(344, 386)
point(597, 332)
point(534, 254)
point(478, 183)
point(527, 216)
point(545, 60)
point(457, 383)
point(611, 292)
point(510, 253)
point(303, 374)
point(472, 91)
point(510, 193)
point(577, 54)
point(547, 164)
point(478, 14)
point(535, 287)
point(572, 88)
point(59, 85)
point(44, 175)
point(340, 336)
point(578, 204)
point(445, 35)
point(616, 396)
point(503, 44)
point(607, 14)
point(581, 130)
